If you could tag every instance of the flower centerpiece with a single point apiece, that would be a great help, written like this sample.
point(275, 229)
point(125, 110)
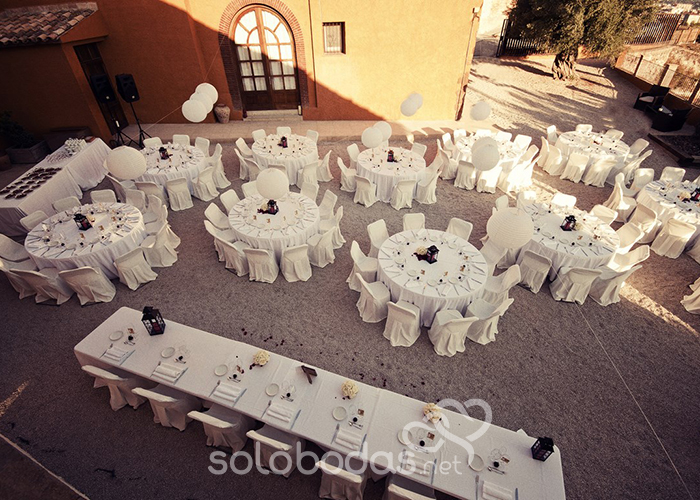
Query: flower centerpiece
point(261, 358)
point(349, 389)
point(164, 155)
point(432, 412)
point(569, 223)
point(427, 254)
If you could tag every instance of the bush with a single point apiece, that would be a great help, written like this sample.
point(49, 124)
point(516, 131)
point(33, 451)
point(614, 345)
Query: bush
point(15, 133)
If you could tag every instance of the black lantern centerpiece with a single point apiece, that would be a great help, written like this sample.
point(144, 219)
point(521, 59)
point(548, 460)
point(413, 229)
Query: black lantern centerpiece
point(82, 222)
point(153, 321)
point(270, 208)
point(542, 448)
point(430, 255)
point(390, 156)
point(569, 223)
point(696, 195)
point(283, 142)
point(164, 155)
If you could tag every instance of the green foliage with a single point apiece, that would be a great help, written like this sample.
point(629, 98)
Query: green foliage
point(14, 132)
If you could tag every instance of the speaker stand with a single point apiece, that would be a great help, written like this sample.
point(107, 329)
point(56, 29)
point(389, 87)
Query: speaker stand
point(120, 138)
point(142, 133)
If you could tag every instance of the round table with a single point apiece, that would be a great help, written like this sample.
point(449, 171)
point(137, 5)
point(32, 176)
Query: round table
point(57, 242)
point(663, 198)
point(300, 151)
point(297, 220)
point(185, 161)
point(373, 164)
point(593, 244)
point(593, 145)
point(453, 282)
point(509, 153)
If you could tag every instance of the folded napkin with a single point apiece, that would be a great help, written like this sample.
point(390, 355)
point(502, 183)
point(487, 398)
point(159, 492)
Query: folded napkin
point(116, 354)
point(416, 465)
point(349, 439)
point(227, 392)
point(169, 373)
point(279, 412)
point(411, 283)
point(491, 491)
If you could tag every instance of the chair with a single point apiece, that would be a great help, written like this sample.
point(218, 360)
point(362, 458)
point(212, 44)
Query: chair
point(534, 269)
point(519, 177)
point(522, 141)
point(133, 269)
point(249, 189)
point(308, 174)
point(614, 134)
point(353, 152)
point(312, 134)
point(373, 300)
point(324, 169)
point(224, 427)
point(137, 199)
point(295, 263)
point(103, 196)
point(487, 180)
point(20, 285)
point(259, 135)
point(152, 213)
point(243, 164)
point(151, 189)
point(625, 261)
point(669, 122)
point(179, 194)
point(402, 195)
point(629, 234)
point(229, 199)
point(544, 152)
point(447, 143)
point(599, 171)
point(629, 169)
point(672, 238)
point(584, 128)
point(502, 136)
point(425, 189)
point(157, 249)
point(563, 201)
point(152, 142)
point(606, 288)
point(181, 139)
point(243, 148)
point(233, 255)
point(419, 149)
point(170, 407)
point(401, 488)
point(333, 224)
point(555, 162)
point(691, 302)
point(204, 187)
point(636, 148)
point(604, 214)
point(276, 450)
point(645, 99)
point(642, 177)
point(89, 283)
point(526, 198)
point(347, 177)
point(492, 253)
point(66, 204)
point(120, 187)
point(338, 483)
point(220, 179)
point(362, 265)
point(672, 174)
point(466, 175)
point(321, 249)
point(552, 135)
point(448, 332)
point(327, 205)
point(202, 143)
point(496, 288)
point(402, 327)
point(484, 329)
point(32, 220)
point(414, 221)
point(252, 168)
point(459, 133)
point(460, 227)
point(286, 131)
point(645, 219)
point(378, 234)
point(217, 217)
point(442, 161)
point(366, 192)
point(573, 283)
point(219, 235)
point(309, 190)
point(119, 386)
point(575, 166)
point(46, 283)
point(623, 205)
point(695, 285)
point(262, 265)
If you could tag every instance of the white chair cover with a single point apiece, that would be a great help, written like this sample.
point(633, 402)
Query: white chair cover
point(204, 187)
point(629, 234)
point(338, 483)
point(233, 254)
point(555, 162)
point(575, 166)
point(419, 149)
point(133, 269)
point(584, 128)
point(573, 283)
point(534, 269)
point(425, 189)
point(309, 190)
point(219, 175)
point(119, 387)
point(120, 187)
point(563, 201)
point(448, 331)
point(308, 174)
point(242, 164)
point(284, 130)
point(179, 194)
point(347, 177)
point(604, 214)
point(552, 135)
point(152, 142)
point(402, 327)
point(214, 214)
point(170, 407)
point(625, 261)
point(262, 265)
point(136, 198)
point(312, 134)
point(11, 250)
point(353, 153)
point(229, 199)
point(544, 152)
point(466, 175)
point(492, 253)
point(90, 284)
point(460, 227)
point(334, 225)
point(321, 249)
point(637, 147)
point(18, 283)
point(243, 148)
point(496, 288)
point(327, 205)
point(414, 221)
point(295, 263)
point(259, 135)
point(487, 180)
point(672, 238)
point(526, 198)
point(691, 302)
point(401, 488)
point(642, 177)
point(614, 134)
point(219, 235)
point(502, 136)
point(157, 249)
point(522, 141)
point(269, 441)
point(623, 205)
point(202, 143)
point(249, 189)
point(606, 288)
point(672, 174)
point(373, 301)
point(365, 192)
point(151, 189)
point(402, 196)
point(599, 171)
point(181, 139)
point(324, 169)
point(47, 284)
point(363, 266)
point(32, 220)
point(103, 196)
point(224, 427)
point(66, 203)
point(378, 234)
point(484, 329)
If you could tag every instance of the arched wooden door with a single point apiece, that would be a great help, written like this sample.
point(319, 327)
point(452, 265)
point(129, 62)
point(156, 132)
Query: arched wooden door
point(266, 60)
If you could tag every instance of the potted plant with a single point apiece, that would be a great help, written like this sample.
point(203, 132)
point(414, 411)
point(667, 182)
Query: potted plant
point(24, 148)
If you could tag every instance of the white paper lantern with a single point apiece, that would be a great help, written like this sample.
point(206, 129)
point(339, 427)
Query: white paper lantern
point(204, 99)
point(480, 111)
point(412, 104)
point(510, 228)
point(209, 90)
point(385, 129)
point(486, 157)
point(126, 163)
point(272, 184)
point(484, 141)
point(417, 100)
point(194, 111)
point(371, 137)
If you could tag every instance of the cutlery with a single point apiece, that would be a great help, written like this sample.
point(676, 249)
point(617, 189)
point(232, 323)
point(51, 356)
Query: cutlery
point(497, 471)
point(477, 487)
point(516, 493)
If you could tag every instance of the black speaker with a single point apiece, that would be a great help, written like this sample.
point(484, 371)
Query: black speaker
point(102, 88)
point(126, 86)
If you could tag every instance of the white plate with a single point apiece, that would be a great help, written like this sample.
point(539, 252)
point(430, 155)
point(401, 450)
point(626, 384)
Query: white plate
point(432, 282)
point(477, 463)
point(167, 352)
point(116, 335)
point(272, 389)
point(454, 280)
point(407, 439)
point(399, 260)
point(339, 413)
point(412, 272)
point(221, 370)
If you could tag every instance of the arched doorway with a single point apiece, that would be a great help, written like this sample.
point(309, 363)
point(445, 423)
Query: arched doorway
point(264, 52)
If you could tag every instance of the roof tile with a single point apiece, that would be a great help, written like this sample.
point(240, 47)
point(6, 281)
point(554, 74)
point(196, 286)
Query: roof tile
point(41, 24)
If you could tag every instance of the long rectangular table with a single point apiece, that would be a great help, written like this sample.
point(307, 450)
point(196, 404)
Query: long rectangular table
point(380, 414)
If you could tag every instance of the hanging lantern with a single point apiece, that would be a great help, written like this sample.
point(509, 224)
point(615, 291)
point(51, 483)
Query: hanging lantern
point(390, 156)
point(569, 223)
point(164, 155)
point(510, 228)
point(542, 448)
point(82, 222)
point(432, 254)
point(696, 195)
point(153, 321)
point(283, 142)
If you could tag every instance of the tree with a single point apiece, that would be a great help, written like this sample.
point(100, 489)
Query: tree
point(602, 27)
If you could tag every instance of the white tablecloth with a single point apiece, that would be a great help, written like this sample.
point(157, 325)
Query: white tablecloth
point(373, 164)
point(381, 414)
point(453, 282)
point(509, 152)
point(297, 220)
point(185, 162)
point(593, 145)
point(87, 166)
point(663, 198)
point(592, 245)
point(300, 151)
point(57, 242)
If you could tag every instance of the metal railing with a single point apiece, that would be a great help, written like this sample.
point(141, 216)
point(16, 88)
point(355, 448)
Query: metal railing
point(659, 30)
